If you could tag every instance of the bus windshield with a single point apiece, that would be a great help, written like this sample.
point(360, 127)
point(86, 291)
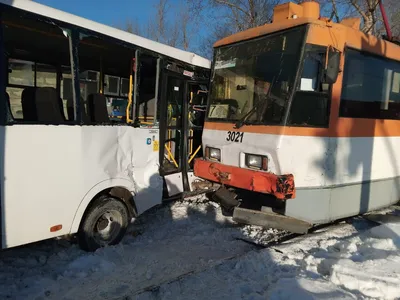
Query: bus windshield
point(253, 80)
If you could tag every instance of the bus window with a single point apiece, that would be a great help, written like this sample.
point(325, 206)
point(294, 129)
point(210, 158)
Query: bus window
point(66, 92)
point(147, 91)
point(124, 87)
point(111, 85)
point(46, 75)
point(21, 74)
point(311, 101)
point(33, 84)
point(105, 69)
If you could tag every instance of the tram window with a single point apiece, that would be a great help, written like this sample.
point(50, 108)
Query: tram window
point(33, 84)
point(311, 101)
point(370, 87)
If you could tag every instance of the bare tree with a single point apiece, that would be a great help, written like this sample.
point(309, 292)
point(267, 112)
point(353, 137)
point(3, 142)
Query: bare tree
point(186, 29)
point(133, 26)
point(171, 25)
point(241, 14)
point(159, 29)
point(225, 17)
point(369, 12)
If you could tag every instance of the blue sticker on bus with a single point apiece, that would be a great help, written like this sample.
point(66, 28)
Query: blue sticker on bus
point(149, 141)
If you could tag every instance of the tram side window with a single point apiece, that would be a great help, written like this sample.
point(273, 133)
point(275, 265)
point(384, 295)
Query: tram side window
point(371, 87)
point(105, 69)
point(311, 101)
point(35, 51)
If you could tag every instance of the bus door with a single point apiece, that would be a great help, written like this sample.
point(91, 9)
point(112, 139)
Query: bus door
point(172, 118)
point(197, 105)
point(181, 123)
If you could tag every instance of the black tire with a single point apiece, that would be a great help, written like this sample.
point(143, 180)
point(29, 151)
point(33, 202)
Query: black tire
point(105, 214)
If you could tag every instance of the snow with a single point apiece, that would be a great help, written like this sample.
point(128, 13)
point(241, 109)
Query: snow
point(189, 250)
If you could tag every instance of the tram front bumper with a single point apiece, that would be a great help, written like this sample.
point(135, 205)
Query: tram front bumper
point(281, 186)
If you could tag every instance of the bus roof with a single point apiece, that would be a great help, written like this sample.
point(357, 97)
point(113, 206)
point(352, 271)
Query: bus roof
point(43, 10)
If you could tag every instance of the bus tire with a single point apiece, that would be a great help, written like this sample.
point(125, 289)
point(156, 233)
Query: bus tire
point(104, 224)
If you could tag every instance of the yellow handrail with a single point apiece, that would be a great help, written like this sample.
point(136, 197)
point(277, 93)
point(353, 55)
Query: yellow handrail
point(194, 154)
point(170, 153)
point(128, 119)
point(190, 141)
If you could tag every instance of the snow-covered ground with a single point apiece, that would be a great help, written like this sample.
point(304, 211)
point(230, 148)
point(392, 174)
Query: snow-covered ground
point(188, 250)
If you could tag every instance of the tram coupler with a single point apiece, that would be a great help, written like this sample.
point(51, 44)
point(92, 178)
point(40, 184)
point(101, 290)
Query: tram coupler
point(227, 199)
point(263, 216)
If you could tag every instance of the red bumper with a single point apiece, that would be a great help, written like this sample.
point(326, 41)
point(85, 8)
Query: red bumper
point(281, 186)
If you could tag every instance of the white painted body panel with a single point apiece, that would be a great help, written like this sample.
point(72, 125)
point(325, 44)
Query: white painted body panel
point(315, 162)
point(51, 173)
point(174, 184)
point(50, 12)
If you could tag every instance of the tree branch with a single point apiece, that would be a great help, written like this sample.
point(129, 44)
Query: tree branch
point(232, 5)
point(334, 6)
point(358, 8)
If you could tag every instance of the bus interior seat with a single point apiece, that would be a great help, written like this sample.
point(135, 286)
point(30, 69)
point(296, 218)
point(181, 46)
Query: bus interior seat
point(49, 105)
point(70, 108)
point(28, 103)
point(8, 105)
point(97, 108)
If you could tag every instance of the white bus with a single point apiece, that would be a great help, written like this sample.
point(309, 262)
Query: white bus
point(95, 125)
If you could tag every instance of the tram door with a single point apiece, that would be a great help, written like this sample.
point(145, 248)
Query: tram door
point(180, 131)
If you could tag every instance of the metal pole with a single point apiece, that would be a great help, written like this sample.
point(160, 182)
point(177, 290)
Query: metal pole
point(385, 20)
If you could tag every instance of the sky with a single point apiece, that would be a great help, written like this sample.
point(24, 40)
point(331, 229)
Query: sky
point(109, 12)
point(117, 13)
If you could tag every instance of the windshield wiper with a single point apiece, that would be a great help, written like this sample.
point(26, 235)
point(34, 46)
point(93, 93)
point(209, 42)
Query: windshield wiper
point(243, 121)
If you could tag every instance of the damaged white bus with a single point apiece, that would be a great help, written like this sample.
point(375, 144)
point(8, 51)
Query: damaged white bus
point(97, 125)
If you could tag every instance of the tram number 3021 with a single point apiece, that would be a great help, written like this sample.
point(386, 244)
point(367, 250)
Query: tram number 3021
point(236, 137)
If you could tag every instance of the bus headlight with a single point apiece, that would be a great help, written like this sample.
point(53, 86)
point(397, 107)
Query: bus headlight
point(213, 153)
point(257, 162)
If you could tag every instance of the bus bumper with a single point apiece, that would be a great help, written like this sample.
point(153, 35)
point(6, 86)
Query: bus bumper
point(281, 186)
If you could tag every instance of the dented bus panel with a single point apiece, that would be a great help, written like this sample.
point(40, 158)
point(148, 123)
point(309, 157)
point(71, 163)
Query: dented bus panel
point(87, 138)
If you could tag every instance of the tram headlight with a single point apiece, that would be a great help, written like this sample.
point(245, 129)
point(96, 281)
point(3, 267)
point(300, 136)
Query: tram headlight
point(213, 153)
point(257, 162)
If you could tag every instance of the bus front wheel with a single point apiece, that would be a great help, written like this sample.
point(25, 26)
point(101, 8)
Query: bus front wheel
point(104, 224)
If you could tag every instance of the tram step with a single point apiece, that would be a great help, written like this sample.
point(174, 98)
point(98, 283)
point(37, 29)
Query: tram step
point(270, 219)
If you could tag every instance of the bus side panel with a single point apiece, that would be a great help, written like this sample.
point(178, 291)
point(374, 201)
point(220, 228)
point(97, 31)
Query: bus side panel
point(49, 171)
point(133, 156)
